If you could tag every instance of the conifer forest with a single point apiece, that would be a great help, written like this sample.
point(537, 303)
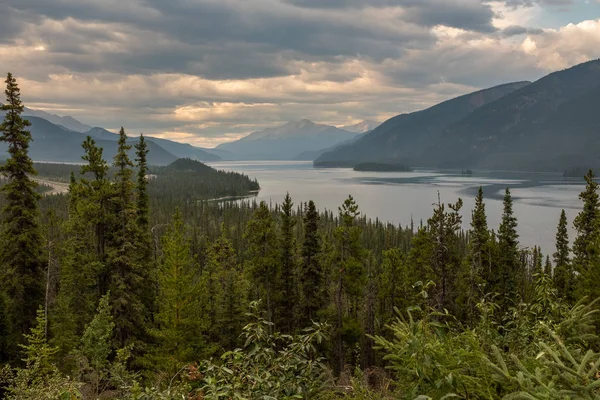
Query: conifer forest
point(135, 285)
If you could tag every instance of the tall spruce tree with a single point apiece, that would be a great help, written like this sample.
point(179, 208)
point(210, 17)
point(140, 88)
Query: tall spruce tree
point(179, 331)
point(479, 237)
point(262, 256)
point(230, 292)
point(127, 276)
point(84, 276)
point(585, 246)
point(509, 274)
point(564, 276)
point(445, 261)
point(350, 277)
point(287, 279)
point(143, 199)
point(21, 263)
point(313, 284)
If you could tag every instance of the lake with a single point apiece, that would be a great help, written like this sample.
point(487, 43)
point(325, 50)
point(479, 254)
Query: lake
point(399, 196)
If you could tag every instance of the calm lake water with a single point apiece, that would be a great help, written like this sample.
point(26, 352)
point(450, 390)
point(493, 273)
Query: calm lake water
point(399, 196)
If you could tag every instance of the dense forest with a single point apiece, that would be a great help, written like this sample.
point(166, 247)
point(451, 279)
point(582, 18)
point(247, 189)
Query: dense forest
point(118, 291)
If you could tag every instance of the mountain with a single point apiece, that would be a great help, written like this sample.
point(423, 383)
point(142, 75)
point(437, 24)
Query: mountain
point(311, 155)
point(58, 144)
point(552, 124)
point(361, 127)
point(68, 122)
point(287, 141)
point(405, 136)
point(180, 150)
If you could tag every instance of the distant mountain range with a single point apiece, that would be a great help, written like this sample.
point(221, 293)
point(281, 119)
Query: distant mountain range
point(287, 142)
point(67, 122)
point(58, 139)
point(54, 142)
point(551, 124)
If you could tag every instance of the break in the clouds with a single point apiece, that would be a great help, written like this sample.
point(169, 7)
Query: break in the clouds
point(208, 71)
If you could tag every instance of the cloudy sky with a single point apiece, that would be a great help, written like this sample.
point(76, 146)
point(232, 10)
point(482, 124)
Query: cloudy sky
point(210, 71)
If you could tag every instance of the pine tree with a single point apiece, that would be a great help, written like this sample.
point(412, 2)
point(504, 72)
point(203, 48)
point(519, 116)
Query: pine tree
point(144, 240)
point(143, 199)
point(548, 268)
point(509, 274)
point(21, 263)
point(84, 276)
point(313, 284)
point(231, 292)
point(287, 278)
point(178, 318)
point(394, 283)
point(127, 277)
point(350, 275)
point(96, 342)
point(479, 237)
point(262, 256)
point(443, 231)
point(564, 277)
point(585, 247)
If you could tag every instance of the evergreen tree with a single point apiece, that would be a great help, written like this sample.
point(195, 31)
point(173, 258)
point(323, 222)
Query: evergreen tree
point(21, 264)
point(443, 230)
point(143, 199)
point(509, 274)
point(84, 276)
point(564, 276)
point(350, 277)
point(394, 284)
point(548, 268)
point(231, 292)
point(287, 278)
point(479, 237)
point(128, 279)
point(313, 284)
point(179, 329)
point(262, 256)
point(96, 342)
point(585, 247)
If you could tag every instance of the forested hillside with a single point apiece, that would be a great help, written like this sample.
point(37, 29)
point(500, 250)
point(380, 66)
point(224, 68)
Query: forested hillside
point(404, 137)
point(551, 124)
point(114, 291)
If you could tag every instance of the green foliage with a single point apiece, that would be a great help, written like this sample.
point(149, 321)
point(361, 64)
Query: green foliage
point(509, 273)
point(21, 274)
point(586, 245)
point(430, 358)
point(178, 318)
point(270, 366)
point(40, 379)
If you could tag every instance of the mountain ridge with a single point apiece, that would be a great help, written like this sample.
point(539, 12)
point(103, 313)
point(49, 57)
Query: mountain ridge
point(403, 136)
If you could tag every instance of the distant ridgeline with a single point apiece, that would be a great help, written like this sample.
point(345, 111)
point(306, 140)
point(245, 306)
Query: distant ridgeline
point(192, 180)
point(383, 167)
point(183, 178)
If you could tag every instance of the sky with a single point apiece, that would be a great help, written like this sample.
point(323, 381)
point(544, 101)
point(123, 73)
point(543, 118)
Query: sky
point(211, 71)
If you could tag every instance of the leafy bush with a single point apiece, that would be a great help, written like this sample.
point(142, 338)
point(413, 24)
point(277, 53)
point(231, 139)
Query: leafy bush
point(271, 365)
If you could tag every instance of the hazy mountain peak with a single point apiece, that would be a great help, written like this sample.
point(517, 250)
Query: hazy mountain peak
point(287, 141)
point(361, 127)
point(66, 121)
point(299, 124)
